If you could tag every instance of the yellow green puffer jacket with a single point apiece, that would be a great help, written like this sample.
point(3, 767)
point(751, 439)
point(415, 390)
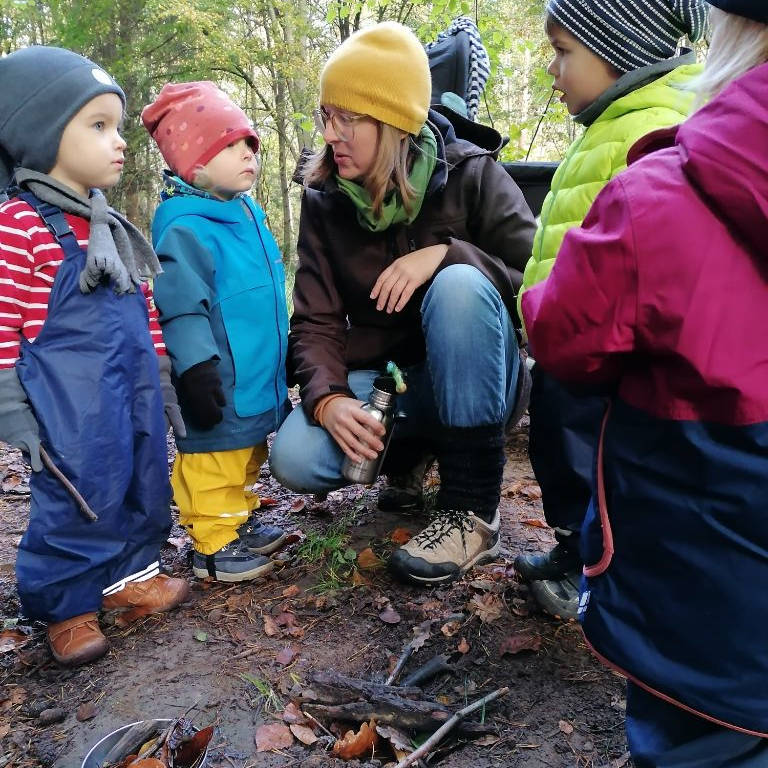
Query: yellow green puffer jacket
point(598, 155)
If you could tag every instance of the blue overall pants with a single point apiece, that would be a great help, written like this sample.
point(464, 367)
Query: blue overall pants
point(91, 378)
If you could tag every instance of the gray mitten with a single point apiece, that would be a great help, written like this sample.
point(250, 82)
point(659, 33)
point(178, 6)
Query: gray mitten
point(170, 401)
point(18, 426)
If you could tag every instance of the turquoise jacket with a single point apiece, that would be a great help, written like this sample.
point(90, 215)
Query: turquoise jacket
point(221, 296)
point(600, 153)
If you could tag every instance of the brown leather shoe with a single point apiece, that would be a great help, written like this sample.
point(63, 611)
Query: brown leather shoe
point(77, 640)
point(140, 598)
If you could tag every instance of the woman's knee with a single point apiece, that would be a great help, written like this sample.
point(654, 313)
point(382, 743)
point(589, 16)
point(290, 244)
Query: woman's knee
point(461, 290)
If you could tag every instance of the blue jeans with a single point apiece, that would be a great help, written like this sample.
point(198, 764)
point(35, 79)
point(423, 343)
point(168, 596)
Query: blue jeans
point(661, 735)
point(469, 379)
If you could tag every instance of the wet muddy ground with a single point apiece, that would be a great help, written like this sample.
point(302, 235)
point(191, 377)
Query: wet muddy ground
point(241, 653)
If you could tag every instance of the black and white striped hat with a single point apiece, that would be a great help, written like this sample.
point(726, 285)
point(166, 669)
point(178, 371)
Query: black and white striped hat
point(633, 33)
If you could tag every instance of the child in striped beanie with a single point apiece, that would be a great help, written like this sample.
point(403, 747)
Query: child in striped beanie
point(617, 68)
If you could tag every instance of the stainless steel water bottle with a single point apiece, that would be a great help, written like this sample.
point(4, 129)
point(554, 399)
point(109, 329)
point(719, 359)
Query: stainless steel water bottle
point(381, 405)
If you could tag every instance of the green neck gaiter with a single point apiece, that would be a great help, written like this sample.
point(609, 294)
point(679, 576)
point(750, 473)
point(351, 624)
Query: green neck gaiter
point(393, 211)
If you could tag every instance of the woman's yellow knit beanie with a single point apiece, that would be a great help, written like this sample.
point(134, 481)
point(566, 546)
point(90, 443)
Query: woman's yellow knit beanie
point(381, 71)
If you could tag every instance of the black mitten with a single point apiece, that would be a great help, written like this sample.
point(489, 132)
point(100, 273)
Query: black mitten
point(201, 395)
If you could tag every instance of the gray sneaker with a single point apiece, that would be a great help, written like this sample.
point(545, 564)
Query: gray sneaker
point(259, 537)
point(559, 598)
point(232, 562)
point(405, 493)
point(448, 547)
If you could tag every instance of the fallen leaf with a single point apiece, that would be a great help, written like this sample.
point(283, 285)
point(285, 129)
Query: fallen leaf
point(267, 501)
point(15, 697)
point(292, 538)
point(356, 744)
point(511, 490)
point(86, 711)
point(367, 560)
point(488, 740)
point(390, 616)
point(620, 762)
point(147, 762)
point(358, 580)
point(421, 633)
point(303, 734)
point(4, 730)
point(189, 751)
point(11, 639)
point(520, 607)
point(400, 536)
point(288, 622)
point(270, 627)
point(239, 601)
point(298, 505)
point(487, 608)
point(396, 738)
point(292, 714)
point(531, 492)
point(534, 523)
point(450, 628)
point(200, 635)
point(565, 727)
point(273, 736)
point(522, 641)
point(463, 646)
point(286, 656)
point(291, 591)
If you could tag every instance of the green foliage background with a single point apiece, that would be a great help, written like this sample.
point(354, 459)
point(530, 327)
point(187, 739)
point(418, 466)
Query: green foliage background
point(268, 55)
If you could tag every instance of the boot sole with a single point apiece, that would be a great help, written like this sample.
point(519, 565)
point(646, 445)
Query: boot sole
point(254, 573)
point(482, 557)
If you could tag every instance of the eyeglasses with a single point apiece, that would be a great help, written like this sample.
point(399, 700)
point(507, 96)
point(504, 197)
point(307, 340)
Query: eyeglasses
point(343, 123)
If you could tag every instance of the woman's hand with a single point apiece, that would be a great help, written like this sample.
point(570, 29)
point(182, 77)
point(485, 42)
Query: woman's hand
point(403, 276)
point(355, 430)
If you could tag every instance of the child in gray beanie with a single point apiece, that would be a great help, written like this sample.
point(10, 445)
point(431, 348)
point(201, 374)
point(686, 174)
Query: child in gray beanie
point(81, 356)
point(618, 72)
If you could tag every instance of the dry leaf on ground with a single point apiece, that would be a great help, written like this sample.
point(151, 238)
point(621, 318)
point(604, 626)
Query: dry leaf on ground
point(397, 739)
point(286, 656)
point(304, 734)
point(487, 608)
point(488, 740)
point(11, 639)
point(463, 646)
point(450, 628)
point(86, 711)
point(521, 641)
point(390, 616)
point(273, 736)
point(291, 591)
point(368, 560)
point(400, 536)
point(358, 580)
point(298, 505)
point(292, 714)
point(565, 727)
point(356, 744)
point(534, 523)
point(270, 627)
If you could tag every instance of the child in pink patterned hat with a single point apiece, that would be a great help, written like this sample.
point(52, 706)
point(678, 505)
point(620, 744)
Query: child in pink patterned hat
point(221, 299)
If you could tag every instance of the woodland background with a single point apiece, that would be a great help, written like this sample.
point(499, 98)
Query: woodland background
point(268, 55)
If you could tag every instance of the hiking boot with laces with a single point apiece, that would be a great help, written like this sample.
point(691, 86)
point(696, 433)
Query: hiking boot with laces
point(233, 562)
point(259, 537)
point(559, 598)
point(405, 492)
point(449, 546)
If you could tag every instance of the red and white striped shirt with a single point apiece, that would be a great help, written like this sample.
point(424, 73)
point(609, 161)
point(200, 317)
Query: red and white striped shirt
point(29, 261)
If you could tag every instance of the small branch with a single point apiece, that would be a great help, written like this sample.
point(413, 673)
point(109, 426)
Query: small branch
point(85, 510)
point(401, 662)
point(440, 733)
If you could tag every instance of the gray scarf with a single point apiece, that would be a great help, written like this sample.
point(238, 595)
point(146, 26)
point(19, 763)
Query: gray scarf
point(116, 249)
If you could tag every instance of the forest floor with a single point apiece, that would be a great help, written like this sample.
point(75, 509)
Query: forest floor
point(240, 653)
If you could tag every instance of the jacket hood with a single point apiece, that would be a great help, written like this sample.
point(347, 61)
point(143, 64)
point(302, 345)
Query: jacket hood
point(182, 199)
point(723, 152)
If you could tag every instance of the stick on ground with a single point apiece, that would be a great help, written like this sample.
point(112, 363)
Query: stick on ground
point(440, 733)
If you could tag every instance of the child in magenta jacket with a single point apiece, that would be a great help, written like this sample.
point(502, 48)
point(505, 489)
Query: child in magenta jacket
point(673, 259)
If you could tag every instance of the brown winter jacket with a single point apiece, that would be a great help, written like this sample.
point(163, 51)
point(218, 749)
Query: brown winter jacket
point(471, 205)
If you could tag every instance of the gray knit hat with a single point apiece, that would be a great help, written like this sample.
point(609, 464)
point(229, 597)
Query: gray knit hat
point(42, 89)
point(631, 33)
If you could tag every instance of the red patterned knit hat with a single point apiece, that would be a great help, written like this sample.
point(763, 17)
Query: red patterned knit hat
point(193, 122)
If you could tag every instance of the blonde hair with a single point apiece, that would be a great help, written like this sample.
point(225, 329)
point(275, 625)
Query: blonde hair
point(389, 170)
point(738, 44)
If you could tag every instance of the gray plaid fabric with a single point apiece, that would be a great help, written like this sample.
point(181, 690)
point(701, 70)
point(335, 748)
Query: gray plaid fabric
point(633, 33)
